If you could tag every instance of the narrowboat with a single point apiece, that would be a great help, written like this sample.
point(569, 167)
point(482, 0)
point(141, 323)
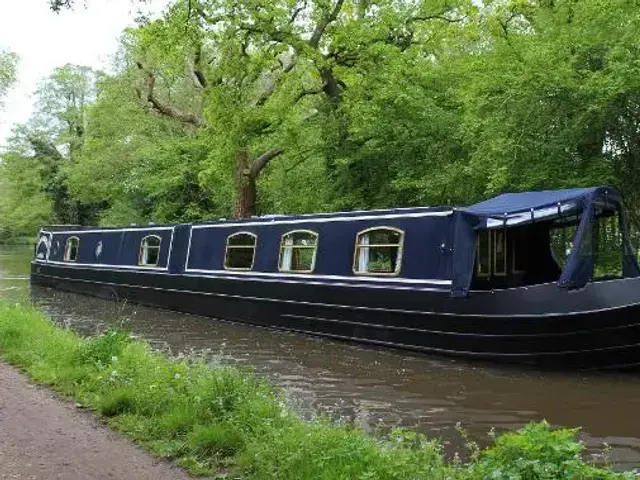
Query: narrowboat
point(548, 278)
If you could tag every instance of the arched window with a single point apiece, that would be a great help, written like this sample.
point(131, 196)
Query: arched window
point(378, 251)
point(298, 251)
point(71, 249)
point(149, 255)
point(240, 252)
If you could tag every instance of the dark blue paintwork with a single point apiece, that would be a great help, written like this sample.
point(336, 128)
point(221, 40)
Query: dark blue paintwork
point(119, 247)
point(427, 252)
point(427, 245)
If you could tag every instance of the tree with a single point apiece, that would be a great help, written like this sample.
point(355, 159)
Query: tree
point(549, 90)
point(45, 149)
point(223, 108)
point(8, 63)
point(252, 65)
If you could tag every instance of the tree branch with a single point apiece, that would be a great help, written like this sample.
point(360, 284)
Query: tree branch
point(306, 92)
point(197, 70)
point(208, 18)
point(44, 147)
point(166, 110)
point(270, 83)
point(259, 163)
point(297, 11)
point(324, 23)
point(303, 157)
point(437, 16)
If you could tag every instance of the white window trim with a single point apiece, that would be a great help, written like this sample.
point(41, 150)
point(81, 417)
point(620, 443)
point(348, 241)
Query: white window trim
point(144, 248)
point(360, 246)
point(66, 256)
point(226, 251)
point(286, 251)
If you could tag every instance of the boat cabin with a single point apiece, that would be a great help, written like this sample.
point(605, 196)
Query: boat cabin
point(567, 236)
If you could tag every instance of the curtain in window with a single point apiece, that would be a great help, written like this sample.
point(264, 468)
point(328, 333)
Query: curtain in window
point(145, 252)
point(287, 253)
point(363, 253)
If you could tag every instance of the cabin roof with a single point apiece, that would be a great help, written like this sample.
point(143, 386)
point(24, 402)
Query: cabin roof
point(510, 203)
point(266, 219)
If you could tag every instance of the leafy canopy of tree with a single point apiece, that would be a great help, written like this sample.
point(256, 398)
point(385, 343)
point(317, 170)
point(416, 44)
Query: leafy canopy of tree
point(8, 63)
point(223, 108)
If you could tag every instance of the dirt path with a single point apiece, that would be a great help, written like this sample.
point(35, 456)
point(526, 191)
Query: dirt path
point(44, 437)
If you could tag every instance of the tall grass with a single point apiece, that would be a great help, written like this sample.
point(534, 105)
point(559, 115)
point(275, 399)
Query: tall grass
point(217, 420)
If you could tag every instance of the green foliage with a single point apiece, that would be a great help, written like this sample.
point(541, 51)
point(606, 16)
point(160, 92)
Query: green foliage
point(538, 452)
point(8, 63)
point(37, 159)
point(373, 104)
point(218, 420)
point(103, 349)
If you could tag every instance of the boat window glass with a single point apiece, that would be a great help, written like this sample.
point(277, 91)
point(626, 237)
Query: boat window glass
point(500, 252)
point(518, 251)
point(241, 249)
point(298, 251)
point(149, 255)
point(378, 252)
point(483, 263)
point(492, 253)
point(71, 249)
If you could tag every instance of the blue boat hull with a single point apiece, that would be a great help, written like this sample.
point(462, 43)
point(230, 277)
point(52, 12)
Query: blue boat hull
point(596, 327)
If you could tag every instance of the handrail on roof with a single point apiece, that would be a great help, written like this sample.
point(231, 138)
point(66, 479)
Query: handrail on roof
point(57, 225)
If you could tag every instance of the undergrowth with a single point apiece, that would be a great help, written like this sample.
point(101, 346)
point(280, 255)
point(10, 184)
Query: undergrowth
point(219, 421)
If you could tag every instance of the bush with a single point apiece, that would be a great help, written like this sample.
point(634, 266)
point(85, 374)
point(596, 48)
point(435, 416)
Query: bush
point(538, 452)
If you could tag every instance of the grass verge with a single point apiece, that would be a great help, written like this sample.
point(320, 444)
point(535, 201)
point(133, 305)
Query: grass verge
point(218, 421)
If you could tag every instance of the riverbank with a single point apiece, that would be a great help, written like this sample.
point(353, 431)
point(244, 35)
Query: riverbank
point(17, 241)
point(221, 421)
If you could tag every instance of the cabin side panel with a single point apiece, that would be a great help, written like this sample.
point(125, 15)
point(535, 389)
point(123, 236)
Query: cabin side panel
point(426, 253)
point(119, 248)
point(206, 248)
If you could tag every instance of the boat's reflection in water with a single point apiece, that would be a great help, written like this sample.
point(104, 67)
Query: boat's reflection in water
point(372, 386)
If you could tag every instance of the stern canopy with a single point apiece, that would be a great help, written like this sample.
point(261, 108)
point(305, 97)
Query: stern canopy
point(581, 206)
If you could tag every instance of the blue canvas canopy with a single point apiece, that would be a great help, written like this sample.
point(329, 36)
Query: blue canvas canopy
point(515, 209)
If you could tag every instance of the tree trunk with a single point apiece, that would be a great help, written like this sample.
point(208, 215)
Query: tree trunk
point(245, 187)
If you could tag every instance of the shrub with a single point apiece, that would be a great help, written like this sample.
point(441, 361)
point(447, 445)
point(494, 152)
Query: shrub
point(538, 452)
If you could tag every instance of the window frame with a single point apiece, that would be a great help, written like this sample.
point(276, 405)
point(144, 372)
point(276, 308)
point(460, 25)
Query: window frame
point(492, 241)
point(65, 257)
point(400, 247)
point(254, 247)
point(159, 247)
point(315, 250)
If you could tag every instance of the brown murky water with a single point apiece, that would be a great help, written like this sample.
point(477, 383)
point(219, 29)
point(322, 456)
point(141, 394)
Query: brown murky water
point(366, 385)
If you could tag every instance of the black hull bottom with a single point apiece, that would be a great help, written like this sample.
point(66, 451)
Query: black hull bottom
point(607, 338)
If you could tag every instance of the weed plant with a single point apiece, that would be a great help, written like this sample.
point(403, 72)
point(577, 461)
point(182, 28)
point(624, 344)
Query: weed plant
point(223, 422)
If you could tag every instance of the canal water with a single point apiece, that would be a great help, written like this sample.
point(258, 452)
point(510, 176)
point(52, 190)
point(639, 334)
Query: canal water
point(370, 386)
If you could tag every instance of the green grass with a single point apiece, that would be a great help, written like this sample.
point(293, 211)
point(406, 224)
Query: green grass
point(220, 421)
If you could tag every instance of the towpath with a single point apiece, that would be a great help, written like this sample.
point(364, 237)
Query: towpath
point(44, 437)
